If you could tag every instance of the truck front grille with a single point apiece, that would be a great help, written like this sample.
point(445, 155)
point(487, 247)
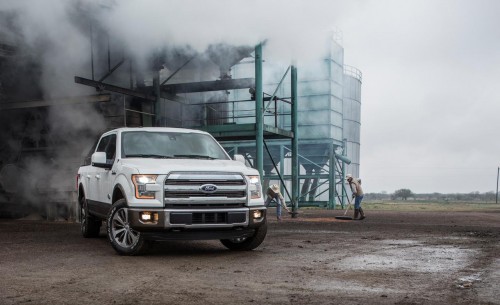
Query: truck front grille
point(188, 194)
point(185, 190)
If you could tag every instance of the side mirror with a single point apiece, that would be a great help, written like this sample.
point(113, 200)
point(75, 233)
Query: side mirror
point(99, 160)
point(240, 158)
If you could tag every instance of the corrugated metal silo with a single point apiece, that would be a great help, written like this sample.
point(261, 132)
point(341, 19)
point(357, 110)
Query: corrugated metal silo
point(352, 116)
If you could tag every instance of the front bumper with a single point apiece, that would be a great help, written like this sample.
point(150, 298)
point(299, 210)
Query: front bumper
point(197, 223)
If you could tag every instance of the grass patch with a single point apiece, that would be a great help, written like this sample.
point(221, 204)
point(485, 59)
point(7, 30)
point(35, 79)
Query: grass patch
point(430, 206)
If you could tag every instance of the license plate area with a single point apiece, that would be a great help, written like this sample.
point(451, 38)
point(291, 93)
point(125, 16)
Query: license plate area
point(207, 218)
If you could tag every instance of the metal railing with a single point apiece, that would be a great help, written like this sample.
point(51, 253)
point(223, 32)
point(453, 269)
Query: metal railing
point(354, 72)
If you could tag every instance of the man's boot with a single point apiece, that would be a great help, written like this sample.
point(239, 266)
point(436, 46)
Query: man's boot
point(356, 213)
point(362, 214)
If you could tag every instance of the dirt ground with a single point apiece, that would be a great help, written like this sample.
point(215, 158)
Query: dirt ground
point(388, 258)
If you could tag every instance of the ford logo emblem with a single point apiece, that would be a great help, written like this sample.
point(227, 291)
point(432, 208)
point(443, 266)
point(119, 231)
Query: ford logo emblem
point(208, 188)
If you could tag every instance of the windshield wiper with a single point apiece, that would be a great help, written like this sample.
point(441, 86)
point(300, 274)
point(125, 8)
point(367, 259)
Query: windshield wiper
point(194, 157)
point(148, 156)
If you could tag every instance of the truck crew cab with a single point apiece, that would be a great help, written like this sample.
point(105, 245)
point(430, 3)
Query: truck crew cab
point(151, 184)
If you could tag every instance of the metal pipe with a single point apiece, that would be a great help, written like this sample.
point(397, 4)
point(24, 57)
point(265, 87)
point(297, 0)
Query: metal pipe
point(342, 178)
point(295, 142)
point(343, 158)
point(314, 187)
point(109, 55)
point(91, 50)
point(331, 179)
point(259, 120)
point(275, 113)
point(282, 161)
point(124, 113)
point(131, 79)
point(156, 85)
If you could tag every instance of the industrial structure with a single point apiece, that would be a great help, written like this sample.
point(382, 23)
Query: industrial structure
point(298, 125)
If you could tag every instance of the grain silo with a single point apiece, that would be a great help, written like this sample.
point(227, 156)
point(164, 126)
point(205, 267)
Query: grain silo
point(352, 117)
point(325, 131)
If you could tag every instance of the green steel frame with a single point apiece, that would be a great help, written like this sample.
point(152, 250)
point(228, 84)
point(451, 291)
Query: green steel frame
point(330, 173)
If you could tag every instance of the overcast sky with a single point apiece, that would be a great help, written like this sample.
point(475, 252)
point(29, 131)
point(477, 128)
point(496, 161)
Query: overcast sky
point(430, 94)
point(431, 70)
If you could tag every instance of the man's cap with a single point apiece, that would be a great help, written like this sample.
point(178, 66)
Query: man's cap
point(275, 187)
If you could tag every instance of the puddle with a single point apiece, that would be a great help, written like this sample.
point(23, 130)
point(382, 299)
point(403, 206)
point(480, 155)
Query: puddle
point(467, 282)
point(397, 242)
point(328, 285)
point(308, 231)
point(410, 255)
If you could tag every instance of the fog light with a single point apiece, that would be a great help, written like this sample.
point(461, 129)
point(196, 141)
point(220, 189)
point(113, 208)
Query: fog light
point(257, 214)
point(146, 216)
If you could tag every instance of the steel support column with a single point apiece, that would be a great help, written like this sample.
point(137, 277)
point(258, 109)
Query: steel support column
point(282, 165)
point(157, 92)
point(331, 178)
point(295, 142)
point(342, 180)
point(259, 115)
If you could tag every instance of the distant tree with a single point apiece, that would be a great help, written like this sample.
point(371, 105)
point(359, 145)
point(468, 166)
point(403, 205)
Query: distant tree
point(403, 194)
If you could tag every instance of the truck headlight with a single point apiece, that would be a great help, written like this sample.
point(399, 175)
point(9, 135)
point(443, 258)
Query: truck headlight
point(254, 187)
point(140, 182)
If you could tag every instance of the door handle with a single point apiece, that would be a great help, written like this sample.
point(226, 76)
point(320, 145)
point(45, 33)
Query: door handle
point(98, 176)
point(88, 176)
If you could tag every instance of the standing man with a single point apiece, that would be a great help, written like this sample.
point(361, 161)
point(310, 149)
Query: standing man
point(273, 192)
point(357, 195)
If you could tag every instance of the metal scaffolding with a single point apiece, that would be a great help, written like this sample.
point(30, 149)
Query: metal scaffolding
point(270, 148)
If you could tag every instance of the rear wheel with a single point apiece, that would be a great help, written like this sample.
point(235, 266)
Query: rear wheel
point(89, 225)
point(124, 239)
point(247, 243)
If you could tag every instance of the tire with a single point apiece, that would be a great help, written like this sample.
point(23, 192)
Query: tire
point(125, 240)
point(248, 243)
point(89, 225)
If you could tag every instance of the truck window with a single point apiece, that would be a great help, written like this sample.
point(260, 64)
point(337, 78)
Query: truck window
point(88, 158)
point(108, 145)
point(136, 144)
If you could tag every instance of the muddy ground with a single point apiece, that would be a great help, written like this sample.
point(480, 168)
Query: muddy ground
point(389, 258)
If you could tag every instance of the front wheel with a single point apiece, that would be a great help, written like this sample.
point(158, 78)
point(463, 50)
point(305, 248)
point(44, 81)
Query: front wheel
point(246, 243)
point(124, 239)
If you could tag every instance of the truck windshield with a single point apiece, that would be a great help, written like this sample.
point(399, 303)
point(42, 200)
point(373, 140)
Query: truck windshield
point(145, 144)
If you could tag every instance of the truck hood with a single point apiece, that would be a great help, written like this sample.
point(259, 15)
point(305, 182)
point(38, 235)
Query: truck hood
point(164, 166)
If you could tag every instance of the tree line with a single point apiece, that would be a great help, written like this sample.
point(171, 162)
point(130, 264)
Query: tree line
point(407, 194)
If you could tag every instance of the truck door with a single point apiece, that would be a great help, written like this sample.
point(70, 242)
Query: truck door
point(107, 176)
point(96, 206)
point(87, 171)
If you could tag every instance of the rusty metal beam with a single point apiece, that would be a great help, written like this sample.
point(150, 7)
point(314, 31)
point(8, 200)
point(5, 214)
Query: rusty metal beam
point(112, 88)
point(226, 84)
point(147, 94)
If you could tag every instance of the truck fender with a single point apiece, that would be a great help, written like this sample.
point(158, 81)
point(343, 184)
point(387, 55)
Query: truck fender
point(118, 193)
point(124, 186)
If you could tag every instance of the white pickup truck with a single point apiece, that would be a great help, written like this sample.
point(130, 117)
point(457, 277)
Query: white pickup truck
point(152, 184)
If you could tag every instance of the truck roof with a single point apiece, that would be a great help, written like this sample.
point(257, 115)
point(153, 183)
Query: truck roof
point(157, 129)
